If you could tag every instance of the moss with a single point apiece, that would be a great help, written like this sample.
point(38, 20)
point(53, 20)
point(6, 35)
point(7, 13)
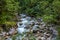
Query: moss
point(7, 25)
point(10, 23)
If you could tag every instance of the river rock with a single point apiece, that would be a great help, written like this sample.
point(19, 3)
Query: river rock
point(20, 30)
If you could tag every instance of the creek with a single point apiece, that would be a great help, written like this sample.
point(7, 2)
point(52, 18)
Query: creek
point(33, 29)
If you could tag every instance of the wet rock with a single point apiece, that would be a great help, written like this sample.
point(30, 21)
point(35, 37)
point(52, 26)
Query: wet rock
point(28, 18)
point(39, 20)
point(43, 38)
point(19, 24)
point(35, 27)
point(48, 35)
point(40, 38)
point(3, 33)
point(32, 27)
point(35, 31)
point(12, 31)
point(27, 27)
point(54, 32)
point(23, 16)
point(38, 27)
point(42, 23)
point(41, 31)
point(32, 21)
point(8, 38)
point(25, 38)
point(41, 27)
point(49, 38)
point(20, 30)
point(37, 23)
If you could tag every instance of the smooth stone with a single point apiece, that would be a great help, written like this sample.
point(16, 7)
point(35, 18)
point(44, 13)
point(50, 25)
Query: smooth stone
point(41, 27)
point(54, 32)
point(9, 39)
point(49, 38)
point(43, 38)
point(28, 18)
point(40, 20)
point(37, 23)
point(3, 33)
point(35, 27)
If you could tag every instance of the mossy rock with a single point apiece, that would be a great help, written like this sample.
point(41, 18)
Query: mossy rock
point(10, 23)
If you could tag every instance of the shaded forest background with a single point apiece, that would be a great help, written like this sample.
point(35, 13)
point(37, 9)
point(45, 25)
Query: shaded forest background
point(48, 10)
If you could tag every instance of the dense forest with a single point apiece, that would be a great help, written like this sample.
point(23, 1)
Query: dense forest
point(48, 10)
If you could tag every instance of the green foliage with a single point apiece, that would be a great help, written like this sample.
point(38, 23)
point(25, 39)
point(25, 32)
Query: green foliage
point(9, 8)
point(56, 7)
point(14, 36)
point(32, 38)
point(58, 29)
point(48, 17)
point(49, 10)
point(36, 8)
point(12, 5)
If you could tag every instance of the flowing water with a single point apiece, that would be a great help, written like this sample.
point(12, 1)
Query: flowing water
point(37, 27)
point(33, 29)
